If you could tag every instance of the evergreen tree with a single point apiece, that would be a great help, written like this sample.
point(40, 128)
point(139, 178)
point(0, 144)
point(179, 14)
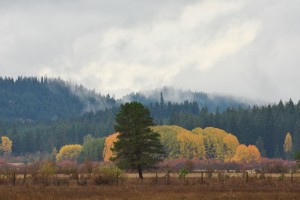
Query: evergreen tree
point(276, 152)
point(260, 145)
point(137, 146)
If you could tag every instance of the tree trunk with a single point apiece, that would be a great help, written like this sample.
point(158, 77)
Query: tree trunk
point(140, 172)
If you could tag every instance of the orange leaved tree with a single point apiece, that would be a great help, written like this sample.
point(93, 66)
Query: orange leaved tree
point(109, 143)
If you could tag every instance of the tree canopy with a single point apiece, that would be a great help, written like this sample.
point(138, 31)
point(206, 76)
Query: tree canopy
point(137, 146)
point(92, 148)
point(69, 152)
point(6, 144)
point(247, 154)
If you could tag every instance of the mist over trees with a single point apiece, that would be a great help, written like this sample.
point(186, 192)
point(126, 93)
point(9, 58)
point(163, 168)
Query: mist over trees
point(44, 99)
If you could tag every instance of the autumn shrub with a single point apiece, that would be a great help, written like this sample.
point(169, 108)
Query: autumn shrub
point(107, 175)
point(47, 168)
point(189, 165)
point(45, 173)
point(67, 167)
point(215, 165)
point(277, 165)
point(197, 164)
point(264, 165)
point(87, 166)
point(3, 164)
point(172, 164)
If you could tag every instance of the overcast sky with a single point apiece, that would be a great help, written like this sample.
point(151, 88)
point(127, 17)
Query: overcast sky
point(244, 48)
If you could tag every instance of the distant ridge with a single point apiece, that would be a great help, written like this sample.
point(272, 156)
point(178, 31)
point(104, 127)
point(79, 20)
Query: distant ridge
point(169, 94)
point(43, 99)
point(40, 99)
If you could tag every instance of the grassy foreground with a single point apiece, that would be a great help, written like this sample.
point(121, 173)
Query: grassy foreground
point(152, 188)
point(137, 192)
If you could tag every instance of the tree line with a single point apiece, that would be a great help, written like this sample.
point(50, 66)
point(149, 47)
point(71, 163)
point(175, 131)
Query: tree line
point(266, 125)
point(30, 137)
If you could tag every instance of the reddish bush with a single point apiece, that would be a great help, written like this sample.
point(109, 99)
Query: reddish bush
point(277, 165)
point(67, 167)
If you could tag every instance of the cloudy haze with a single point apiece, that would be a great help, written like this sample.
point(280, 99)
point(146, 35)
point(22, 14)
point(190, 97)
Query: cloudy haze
point(244, 48)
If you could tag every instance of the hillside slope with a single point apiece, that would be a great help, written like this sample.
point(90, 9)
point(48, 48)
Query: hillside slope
point(168, 94)
point(39, 99)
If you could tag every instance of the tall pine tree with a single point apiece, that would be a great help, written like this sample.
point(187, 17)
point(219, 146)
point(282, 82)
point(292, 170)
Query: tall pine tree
point(138, 147)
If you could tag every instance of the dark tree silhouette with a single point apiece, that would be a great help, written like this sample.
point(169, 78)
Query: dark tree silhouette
point(138, 147)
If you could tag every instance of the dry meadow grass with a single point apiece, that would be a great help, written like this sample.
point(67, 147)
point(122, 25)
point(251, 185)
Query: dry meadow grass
point(191, 187)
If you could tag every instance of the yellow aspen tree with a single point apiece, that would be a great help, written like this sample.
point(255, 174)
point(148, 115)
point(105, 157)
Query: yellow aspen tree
point(69, 152)
point(168, 138)
point(191, 145)
point(6, 144)
point(246, 154)
point(214, 143)
point(230, 145)
point(288, 143)
point(242, 154)
point(254, 154)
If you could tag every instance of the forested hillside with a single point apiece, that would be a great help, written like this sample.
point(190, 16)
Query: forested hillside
point(171, 95)
point(41, 99)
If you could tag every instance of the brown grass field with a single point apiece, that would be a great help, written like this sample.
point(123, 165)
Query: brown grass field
point(192, 187)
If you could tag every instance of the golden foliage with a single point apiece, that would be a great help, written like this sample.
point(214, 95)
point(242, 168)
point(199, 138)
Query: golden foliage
point(288, 144)
point(208, 143)
point(218, 143)
point(254, 154)
point(197, 130)
point(6, 144)
point(215, 131)
point(191, 145)
point(69, 152)
point(179, 142)
point(109, 142)
point(247, 154)
point(230, 145)
point(168, 138)
point(48, 168)
point(241, 154)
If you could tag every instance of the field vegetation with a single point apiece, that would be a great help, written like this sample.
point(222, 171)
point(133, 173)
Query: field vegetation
point(171, 179)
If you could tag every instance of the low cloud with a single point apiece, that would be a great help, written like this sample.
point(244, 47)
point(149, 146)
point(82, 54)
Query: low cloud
point(241, 48)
